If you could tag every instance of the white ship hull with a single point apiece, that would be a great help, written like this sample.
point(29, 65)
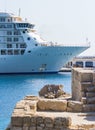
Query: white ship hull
point(41, 60)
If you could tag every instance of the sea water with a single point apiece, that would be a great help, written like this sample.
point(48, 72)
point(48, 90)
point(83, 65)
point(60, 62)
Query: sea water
point(13, 88)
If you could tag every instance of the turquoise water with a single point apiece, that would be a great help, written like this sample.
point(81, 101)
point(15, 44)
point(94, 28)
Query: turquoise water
point(14, 87)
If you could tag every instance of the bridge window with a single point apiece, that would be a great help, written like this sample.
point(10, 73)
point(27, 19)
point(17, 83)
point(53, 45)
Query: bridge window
point(79, 64)
point(88, 64)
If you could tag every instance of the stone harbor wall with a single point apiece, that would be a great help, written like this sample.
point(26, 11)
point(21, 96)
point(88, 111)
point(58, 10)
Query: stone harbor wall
point(26, 116)
point(48, 112)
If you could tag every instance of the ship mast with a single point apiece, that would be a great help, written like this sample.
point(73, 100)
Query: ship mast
point(19, 12)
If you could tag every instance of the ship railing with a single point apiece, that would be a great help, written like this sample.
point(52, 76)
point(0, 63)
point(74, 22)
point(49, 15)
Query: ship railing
point(56, 44)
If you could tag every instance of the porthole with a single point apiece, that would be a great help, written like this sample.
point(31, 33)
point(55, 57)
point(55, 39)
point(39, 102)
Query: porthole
point(28, 38)
point(23, 31)
point(36, 44)
point(29, 51)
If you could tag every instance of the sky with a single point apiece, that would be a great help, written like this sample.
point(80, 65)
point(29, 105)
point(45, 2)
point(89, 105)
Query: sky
point(62, 21)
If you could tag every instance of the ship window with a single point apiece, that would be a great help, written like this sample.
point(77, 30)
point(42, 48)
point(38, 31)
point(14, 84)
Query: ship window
point(16, 33)
point(16, 39)
point(88, 64)
point(10, 52)
point(22, 45)
point(17, 45)
point(3, 52)
point(28, 38)
point(16, 52)
point(79, 64)
point(2, 19)
point(9, 32)
point(9, 19)
point(2, 26)
point(22, 52)
point(9, 25)
point(9, 39)
point(9, 45)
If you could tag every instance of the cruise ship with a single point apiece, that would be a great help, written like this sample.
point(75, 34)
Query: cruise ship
point(22, 50)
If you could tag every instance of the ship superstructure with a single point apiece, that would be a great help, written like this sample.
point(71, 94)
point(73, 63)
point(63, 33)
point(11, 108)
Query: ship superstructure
point(22, 50)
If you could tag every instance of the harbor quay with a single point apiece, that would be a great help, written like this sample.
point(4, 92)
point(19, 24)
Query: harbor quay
point(64, 112)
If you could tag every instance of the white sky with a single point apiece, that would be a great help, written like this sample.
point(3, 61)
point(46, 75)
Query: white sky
point(62, 21)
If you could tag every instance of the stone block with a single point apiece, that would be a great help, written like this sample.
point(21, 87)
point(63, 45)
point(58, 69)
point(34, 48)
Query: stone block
point(33, 105)
point(20, 105)
point(25, 128)
point(18, 112)
point(85, 85)
point(69, 109)
point(16, 128)
point(31, 97)
point(32, 128)
point(39, 120)
point(86, 76)
point(90, 94)
point(89, 107)
point(91, 100)
point(91, 89)
point(42, 125)
point(94, 77)
point(83, 94)
point(26, 121)
point(75, 105)
point(84, 100)
point(54, 104)
point(33, 121)
point(39, 128)
point(66, 121)
point(48, 120)
point(58, 121)
point(17, 121)
point(49, 125)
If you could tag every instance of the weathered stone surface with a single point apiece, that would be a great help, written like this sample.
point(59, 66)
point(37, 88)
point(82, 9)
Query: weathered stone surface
point(48, 120)
point(17, 121)
point(75, 105)
point(52, 91)
point(33, 121)
point(32, 128)
point(31, 97)
point(84, 100)
point(85, 85)
point(87, 77)
point(91, 100)
point(91, 89)
point(16, 128)
point(39, 128)
point(39, 120)
point(49, 125)
point(90, 94)
point(54, 105)
point(25, 128)
point(68, 121)
point(89, 107)
point(18, 112)
point(26, 121)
